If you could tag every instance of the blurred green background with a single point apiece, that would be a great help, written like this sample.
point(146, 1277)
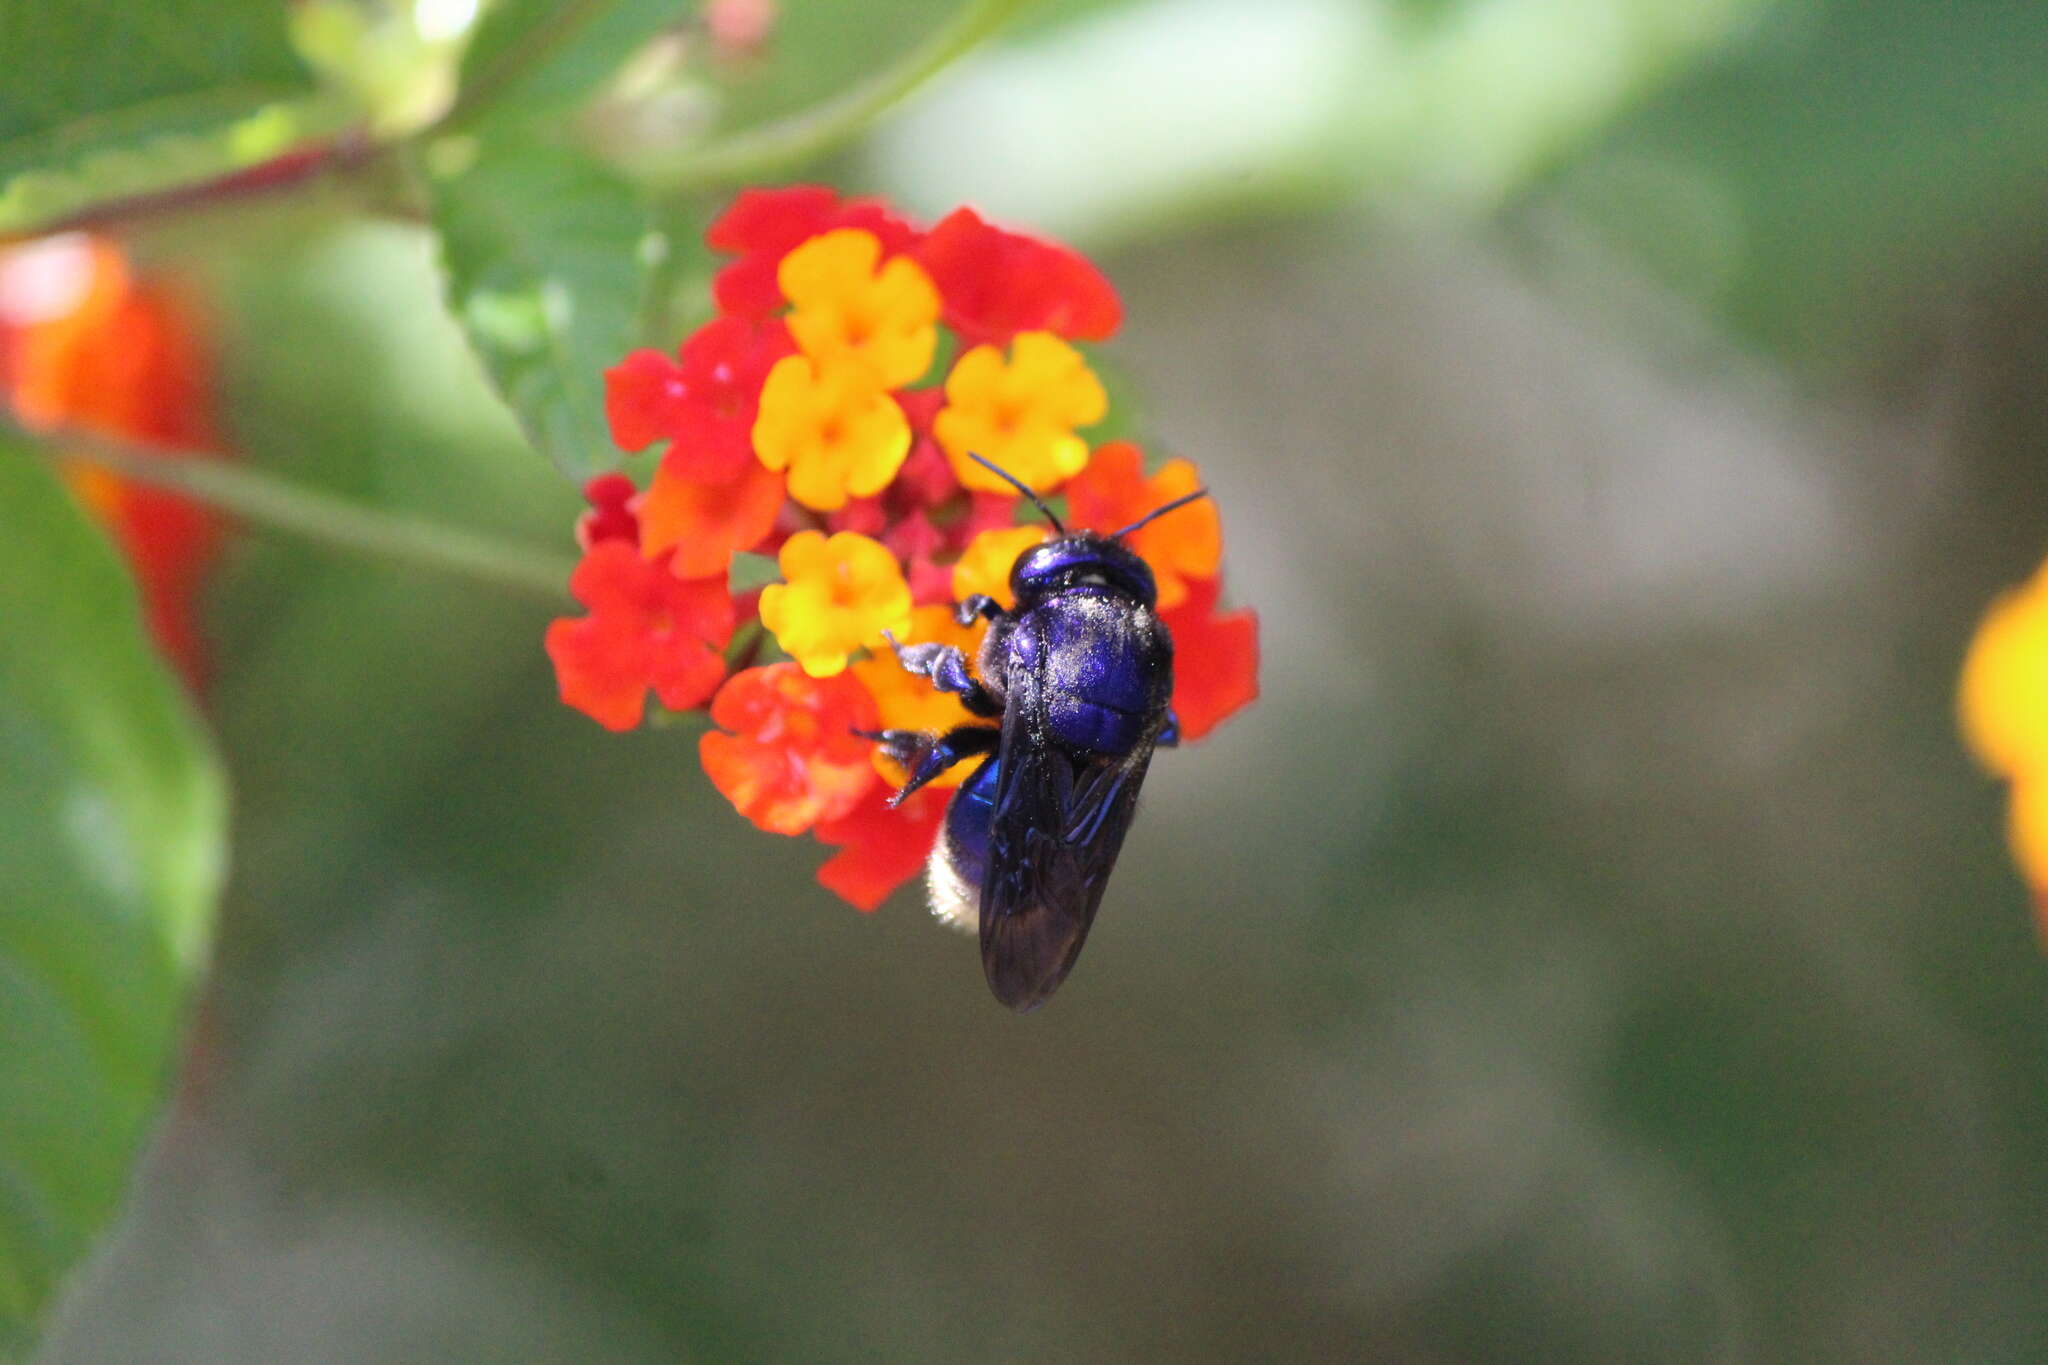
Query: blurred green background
point(1593, 947)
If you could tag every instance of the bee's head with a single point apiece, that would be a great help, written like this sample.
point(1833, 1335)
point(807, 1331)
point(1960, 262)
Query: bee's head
point(1081, 559)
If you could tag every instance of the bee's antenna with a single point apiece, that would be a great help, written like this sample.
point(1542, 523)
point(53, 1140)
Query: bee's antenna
point(1022, 487)
point(1158, 512)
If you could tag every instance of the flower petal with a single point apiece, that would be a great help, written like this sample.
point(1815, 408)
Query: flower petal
point(840, 595)
point(792, 758)
point(985, 565)
point(1113, 492)
point(882, 848)
point(1216, 660)
point(706, 524)
point(997, 283)
point(764, 224)
point(837, 433)
point(1020, 412)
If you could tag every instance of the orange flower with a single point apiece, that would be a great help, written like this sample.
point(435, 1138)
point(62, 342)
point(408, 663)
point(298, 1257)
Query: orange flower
point(792, 758)
point(985, 565)
point(706, 524)
point(883, 847)
point(1020, 412)
point(1112, 492)
point(851, 307)
point(833, 428)
point(1215, 660)
point(647, 629)
point(907, 702)
point(842, 593)
point(90, 345)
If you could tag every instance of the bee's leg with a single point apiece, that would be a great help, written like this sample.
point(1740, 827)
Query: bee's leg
point(978, 604)
point(1169, 736)
point(946, 666)
point(929, 755)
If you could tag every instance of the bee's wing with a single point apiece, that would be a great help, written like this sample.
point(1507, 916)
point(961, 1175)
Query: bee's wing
point(1055, 829)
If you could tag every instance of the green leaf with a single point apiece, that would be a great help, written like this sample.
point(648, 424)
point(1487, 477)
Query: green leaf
point(546, 260)
point(105, 99)
point(546, 53)
point(112, 832)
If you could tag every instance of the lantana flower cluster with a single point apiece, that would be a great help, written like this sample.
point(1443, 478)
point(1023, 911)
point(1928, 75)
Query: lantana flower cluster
point(2002, 703)
point(824, 419)
point(89, 343)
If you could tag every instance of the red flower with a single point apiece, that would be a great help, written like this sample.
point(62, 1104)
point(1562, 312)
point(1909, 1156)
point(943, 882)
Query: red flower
point(763, 225)
point(647, 629)
point(611, 515)
point(1216, 659)
point(705, 406)
point(996, 284)
point(792, 758)
point(880, 848)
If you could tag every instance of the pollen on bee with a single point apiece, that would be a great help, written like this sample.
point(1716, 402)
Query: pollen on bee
point(956, 902)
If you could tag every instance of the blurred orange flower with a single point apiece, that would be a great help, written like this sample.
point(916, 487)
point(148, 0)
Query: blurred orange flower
point(87, 343)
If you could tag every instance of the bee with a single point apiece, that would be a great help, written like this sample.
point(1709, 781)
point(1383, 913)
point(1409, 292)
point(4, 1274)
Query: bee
point(1071, 694)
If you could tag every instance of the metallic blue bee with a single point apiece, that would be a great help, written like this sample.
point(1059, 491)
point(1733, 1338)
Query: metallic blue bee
point(1078, 676)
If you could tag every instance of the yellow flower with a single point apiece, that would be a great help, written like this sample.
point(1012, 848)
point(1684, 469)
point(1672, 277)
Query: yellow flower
point(841, 594)
point(908, 702)
point(2002, 699)
point(837, 432)
point(985, 564)
point(844, 309)
point(2027, 829)
point(1020, 413)
point(2002, 704)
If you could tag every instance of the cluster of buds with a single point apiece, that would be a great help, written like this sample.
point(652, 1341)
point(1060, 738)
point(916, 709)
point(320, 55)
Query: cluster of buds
point(825, 417)
point(90, 344)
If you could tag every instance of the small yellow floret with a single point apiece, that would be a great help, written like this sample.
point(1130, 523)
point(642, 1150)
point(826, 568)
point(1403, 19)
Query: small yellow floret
point(1021, 412)
point(986, 562)
point(847, 310)
point(837, 432)
point(840, 594)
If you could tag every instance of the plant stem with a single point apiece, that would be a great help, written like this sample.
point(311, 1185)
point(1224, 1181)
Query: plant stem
point(266, 500)
point(760, 153)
